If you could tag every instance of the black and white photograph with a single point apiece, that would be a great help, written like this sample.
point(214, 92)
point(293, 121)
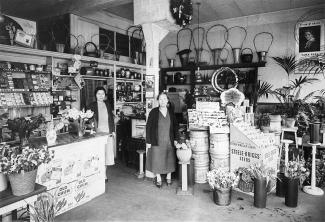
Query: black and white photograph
point(162, 111)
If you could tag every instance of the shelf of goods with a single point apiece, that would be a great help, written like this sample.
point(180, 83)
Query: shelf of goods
point(249, 145)
point(129, 91)
point(59, 63)
point(183, 78)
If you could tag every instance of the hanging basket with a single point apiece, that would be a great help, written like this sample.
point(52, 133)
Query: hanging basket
point(22, 183)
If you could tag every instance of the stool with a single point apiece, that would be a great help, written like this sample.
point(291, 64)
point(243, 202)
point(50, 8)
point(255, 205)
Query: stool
point(292, 130)
point(286, 150)
point(140, 174)
point(312, 189)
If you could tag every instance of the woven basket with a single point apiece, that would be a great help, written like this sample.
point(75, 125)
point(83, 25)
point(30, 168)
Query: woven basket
point(22, 183)
point(245, 186)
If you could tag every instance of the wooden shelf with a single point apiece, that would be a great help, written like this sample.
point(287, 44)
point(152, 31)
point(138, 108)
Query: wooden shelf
point(42, 53)
point(212, 67)
point(96, 77)
point(179, 84)
point(128, 80)
point(27, 71)
point(23, 106)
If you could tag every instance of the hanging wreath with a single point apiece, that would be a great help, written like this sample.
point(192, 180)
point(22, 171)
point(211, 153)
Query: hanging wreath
point(182, 11)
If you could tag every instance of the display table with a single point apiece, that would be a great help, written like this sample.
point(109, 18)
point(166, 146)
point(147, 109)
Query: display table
point(9, 202)
point(76, 174)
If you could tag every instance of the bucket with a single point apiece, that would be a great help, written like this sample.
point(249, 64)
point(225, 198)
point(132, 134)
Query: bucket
point(201, 159)
point(262, 56)
point(219, 144)
point(220, 161)
point(200, 174)
point(236, 55)
point(184, 56)
point(22, 183)
point(199, 141)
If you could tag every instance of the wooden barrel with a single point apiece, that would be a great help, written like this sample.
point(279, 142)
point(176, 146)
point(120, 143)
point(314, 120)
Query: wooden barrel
point(219, 144)
point(199, 141)
point(201, 159)
point(200, 173)
point(220, 161)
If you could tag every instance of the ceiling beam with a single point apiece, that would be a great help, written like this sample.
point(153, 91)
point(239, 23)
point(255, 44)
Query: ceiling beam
point(35, 9)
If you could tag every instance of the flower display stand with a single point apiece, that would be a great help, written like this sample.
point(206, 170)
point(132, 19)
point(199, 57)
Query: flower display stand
point(312, 189)
point(244, 152)
point(140, 174)
point(184, 189)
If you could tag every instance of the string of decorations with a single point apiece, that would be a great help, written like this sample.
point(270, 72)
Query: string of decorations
point(182, 11)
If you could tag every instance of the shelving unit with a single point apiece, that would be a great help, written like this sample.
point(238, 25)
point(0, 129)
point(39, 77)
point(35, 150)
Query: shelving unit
point(55, 59)
point(247, 73)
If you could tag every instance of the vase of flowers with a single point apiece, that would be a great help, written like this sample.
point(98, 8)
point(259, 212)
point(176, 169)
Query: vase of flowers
point(22, 166)
point(24, 126)
point(221, 182)
point(294, 172)
point(52, 128)
point(183, 151)
point(78, 119)
point(262, 176)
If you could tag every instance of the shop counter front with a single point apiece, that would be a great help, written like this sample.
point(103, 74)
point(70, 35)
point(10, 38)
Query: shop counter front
point(76, 174)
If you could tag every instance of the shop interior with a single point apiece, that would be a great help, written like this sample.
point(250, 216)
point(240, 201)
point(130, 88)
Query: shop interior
point(245, 80)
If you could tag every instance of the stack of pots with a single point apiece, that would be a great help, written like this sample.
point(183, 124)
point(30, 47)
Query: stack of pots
point(219, 151)
point(200, 146)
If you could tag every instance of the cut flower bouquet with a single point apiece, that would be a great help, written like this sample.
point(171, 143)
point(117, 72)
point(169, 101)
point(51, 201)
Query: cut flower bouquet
point(78, 118)
point(221, 179)
point(296, 170)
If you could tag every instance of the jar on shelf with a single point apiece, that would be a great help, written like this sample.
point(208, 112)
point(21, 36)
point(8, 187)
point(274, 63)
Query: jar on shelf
point(132, 75)
point(122, 73)
point(138, 75)
point(127, 73)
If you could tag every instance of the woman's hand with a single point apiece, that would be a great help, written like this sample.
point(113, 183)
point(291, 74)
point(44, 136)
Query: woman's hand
point(175, 142)
point(148, 146)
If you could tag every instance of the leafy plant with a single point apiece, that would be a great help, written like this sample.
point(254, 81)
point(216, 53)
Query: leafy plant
point(260, 170)
point(288, 63)
point(263, 120)
point(313, 65)
point(43, 209)
point(25, 125)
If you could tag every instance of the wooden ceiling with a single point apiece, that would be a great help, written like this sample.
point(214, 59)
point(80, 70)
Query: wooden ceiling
point(210, 10)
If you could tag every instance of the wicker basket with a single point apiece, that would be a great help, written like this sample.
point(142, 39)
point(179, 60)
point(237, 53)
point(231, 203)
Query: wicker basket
point(23, 183)
point(245, 186)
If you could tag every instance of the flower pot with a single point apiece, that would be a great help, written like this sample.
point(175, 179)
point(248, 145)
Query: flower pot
point(280, 185)
point(291, 192)
point(3, 182)
point(275, 123)
point(260, 192)
point(290, 122)
point(222, 196)
point(314, 132)
point(184, 156)
point(22, 183)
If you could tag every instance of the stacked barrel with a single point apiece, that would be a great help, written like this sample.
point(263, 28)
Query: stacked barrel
point(219, 151)
point(199, 140)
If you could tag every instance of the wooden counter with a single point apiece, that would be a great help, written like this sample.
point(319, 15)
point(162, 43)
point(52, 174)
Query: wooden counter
point(76, 174)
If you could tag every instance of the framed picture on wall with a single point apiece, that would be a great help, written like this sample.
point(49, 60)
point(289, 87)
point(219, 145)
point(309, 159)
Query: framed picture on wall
point(310, 43)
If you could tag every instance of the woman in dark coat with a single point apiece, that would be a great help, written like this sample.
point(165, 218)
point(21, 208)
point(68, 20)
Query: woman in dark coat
point(161, 135)
point(104, 122)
